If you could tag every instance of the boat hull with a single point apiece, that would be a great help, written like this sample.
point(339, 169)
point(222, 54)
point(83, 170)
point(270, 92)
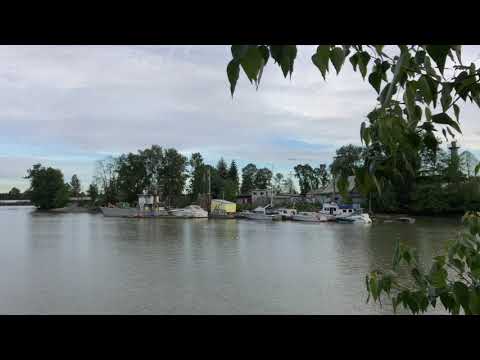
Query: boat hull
point(310, 218)
point(253, 216)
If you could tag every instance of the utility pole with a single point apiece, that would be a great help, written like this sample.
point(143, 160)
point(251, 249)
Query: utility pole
point(209, 190)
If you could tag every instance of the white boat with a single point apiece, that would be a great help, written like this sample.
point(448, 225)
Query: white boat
point(334, 211)
point(260, 214)
point(356, 219)
point(287, 214)
point(310, 217)
point(191, 211)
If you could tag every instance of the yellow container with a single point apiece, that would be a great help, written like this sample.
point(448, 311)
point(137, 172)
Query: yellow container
point(223, 206)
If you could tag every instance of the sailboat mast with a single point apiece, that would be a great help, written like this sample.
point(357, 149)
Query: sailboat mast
point(271, 189)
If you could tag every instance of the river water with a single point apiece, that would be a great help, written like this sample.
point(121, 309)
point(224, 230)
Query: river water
point(88, 264)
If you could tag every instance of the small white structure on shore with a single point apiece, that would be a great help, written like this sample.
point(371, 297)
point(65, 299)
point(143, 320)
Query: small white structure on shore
point(147, 201)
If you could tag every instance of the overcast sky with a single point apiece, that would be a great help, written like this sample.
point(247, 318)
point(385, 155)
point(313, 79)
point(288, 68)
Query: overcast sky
point(68, 106)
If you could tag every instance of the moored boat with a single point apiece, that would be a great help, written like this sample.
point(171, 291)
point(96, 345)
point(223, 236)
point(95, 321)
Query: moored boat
point(287, 214)
point(310, 217)
point(355, 219)
point(260, 214)
point(191, 211)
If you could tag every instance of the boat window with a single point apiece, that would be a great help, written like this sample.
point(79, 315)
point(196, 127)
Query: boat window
point(344, 210)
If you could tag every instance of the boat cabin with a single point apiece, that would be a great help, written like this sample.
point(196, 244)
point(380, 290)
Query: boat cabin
point(287, 212)
point(339, 210)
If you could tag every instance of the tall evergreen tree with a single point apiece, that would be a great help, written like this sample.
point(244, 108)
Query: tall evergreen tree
point(233, 172)
point(248, 178)
point(75, 185)
point(233, 177)
point(198, 180)
point(222, 168)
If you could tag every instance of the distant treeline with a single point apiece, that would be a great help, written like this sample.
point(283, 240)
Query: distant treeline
point(15, 194)
point(433, 182)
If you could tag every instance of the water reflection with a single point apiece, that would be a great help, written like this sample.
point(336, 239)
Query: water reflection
point(83, 263)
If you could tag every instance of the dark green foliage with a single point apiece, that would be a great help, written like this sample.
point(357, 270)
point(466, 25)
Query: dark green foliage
point(173, 175)
point(14, 194)
point(248, 179)
point(233, 176)
point(277, 182)
point(198, 177)
point(47, 188)
point(310, 178)
point(93, 193)
point(132, 177)
point(222, 169)
point(75, 186)
point(347, 159)
point(452, 280)
point(263, 178)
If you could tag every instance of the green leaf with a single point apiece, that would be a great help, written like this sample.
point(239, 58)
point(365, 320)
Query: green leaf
point(375, 80)
point(251, 63)
point(363, 60)
point(409, 98)
point(265, 53)
point(437, 275)
point(458, 52)
point(439, 54)
point(337, 56)
point(362, 131)
point(456, 109)
point(429, 69)
point(444, 119)
point(379, 49)
point(446, 99)
point(396, 254)
point(320, 59)
point(448, 301)
point(425, 90)
point(462, 296)
point(233, 71)
point(285, 56)
point(460, 265)
point(399, 75)
point(354, 60)
point(477, 169)
point(474, 301)
point(385, 91)
point(239, 51)
point(420, 57)
point(428, 114)
point(374, 288)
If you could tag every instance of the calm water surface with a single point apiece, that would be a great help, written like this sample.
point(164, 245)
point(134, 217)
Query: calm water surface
point(83, 263)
